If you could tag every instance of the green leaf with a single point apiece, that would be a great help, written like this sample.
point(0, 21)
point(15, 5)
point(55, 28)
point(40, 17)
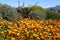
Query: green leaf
point(2, 29)
point(1, 38)
point(34, 38)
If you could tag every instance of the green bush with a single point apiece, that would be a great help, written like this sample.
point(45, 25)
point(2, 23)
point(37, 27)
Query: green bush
point(38, 15)
point(52, 15)
point(38, 8)
point(8, 12)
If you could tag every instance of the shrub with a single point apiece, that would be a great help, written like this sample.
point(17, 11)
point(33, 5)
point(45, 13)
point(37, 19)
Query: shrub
point(51, 15)
point(9, 13)
point(38, 15)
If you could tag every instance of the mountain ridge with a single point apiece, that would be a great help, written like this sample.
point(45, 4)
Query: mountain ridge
point(55, 8)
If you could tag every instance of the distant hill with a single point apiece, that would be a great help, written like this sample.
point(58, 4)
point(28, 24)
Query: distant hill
point(56, 8)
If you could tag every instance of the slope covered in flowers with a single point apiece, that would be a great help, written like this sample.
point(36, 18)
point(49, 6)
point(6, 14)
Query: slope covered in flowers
point(30, 30)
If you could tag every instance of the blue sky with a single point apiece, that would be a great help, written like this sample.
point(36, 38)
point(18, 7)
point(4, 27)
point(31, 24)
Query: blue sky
point(43, 3)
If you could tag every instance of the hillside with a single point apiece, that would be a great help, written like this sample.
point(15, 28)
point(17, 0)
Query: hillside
point(56, 8)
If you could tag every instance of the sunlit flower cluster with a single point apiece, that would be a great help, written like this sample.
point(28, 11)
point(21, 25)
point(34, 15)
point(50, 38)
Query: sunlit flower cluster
point(31, 30)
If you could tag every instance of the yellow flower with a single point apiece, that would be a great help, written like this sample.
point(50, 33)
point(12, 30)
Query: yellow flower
point(35, 29)
point(2, 22)
point(35, 35)
point(10, 27)
point(10, 22)
point(13, 38)
point(15, 30)
point(9, 32)
point(50, 26)
point(2, 33)
point(38, 38)
point(18, 34)
point(0, 26)
point(41, 34)
point(27, 33)
point(25, 29)
point(42, 37)
point(45, 32)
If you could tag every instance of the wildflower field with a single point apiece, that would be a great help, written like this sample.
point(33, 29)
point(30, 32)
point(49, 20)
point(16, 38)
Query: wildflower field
point(27, 29)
